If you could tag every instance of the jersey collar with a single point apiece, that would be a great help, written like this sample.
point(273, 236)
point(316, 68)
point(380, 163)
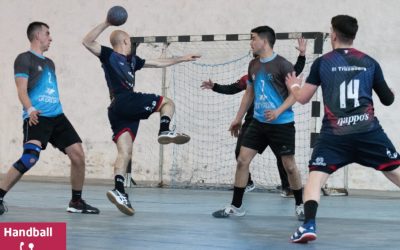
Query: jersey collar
point(268, 59)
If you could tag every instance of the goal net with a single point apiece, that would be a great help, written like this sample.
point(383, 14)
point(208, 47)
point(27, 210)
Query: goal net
point(208, 160)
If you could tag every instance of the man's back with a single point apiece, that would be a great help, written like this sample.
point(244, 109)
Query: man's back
point(347, 78)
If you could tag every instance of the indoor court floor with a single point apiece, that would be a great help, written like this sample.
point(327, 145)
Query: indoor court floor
point(181, 219)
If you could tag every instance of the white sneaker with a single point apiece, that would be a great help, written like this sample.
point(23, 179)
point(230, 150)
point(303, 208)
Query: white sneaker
point(228, 211)
point(250, 187)
point(169, 136)
point(299, 211)
point(121, 201)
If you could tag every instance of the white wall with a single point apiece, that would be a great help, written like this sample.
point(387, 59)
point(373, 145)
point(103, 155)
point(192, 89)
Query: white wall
point(81, 81)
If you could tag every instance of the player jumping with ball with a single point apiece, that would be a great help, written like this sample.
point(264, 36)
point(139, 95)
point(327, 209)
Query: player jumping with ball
point(127, 106)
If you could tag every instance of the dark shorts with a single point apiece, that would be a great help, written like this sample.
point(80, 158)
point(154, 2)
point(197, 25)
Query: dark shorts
point(280, 137)
point(56, 130)
point(373, 149)
point(126, 111)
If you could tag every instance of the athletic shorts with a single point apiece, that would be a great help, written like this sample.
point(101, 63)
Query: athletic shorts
point(280, 137)
point(56, 130)
point(126, 111)
point(372, 149)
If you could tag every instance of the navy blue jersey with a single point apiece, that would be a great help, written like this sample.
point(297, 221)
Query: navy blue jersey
point(347, 78)
point(119, 70)
point(42, 83)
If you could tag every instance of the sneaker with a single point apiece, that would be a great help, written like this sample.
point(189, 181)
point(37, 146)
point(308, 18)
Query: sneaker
point(3, 207)
point(305, 233)
point(287, 193)
point(250, 187)
point(299, 211)
point(121, 201)
point(81, 207)
point(228, 211)
point(169, 136)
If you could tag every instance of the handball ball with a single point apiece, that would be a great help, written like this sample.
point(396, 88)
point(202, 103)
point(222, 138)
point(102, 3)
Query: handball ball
point(117, 15)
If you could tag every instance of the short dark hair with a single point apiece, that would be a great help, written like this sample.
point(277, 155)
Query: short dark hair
point(266, 32)
point(33, 27)
point(346, 28)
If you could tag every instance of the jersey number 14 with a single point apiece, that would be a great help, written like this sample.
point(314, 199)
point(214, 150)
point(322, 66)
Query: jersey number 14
point(349, 91)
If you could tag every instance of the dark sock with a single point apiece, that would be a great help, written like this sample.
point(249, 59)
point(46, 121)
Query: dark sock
point(310, 210)
point(164, 123)
point(119, 183)
point(76, 195)
point(298, 196)
point(250, 181)
point(237, 196)
point(2, 193)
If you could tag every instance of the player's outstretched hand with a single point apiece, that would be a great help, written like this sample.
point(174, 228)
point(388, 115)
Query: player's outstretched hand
point(190, 57)
point(207, 84)
point(271, 115)
point(302, 46)
point(292, 80)
point(235, 128)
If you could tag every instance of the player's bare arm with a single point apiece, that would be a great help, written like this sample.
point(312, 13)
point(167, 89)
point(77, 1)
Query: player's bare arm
point(89, 41)
point(165, 62)
point(22, 89)
point(247, 99)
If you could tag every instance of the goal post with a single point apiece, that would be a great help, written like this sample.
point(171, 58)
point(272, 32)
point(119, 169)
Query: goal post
point(208, 160)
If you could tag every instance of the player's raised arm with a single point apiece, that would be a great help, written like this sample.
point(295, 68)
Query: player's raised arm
point(165, 62)
point(89, 41)
point(301, 59)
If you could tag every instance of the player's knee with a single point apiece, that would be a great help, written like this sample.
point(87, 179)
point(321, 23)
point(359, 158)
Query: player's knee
point(167, 102)
point(290, 170)
point(78, 160)
point(242, 162)
point(125, 155)
point(77, 157)
point(28, 159)
point(289, 164)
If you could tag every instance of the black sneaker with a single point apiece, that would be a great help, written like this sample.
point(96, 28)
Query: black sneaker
point(3, 207)
point(81, 207)
point(121, 201)
point(229, 210)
